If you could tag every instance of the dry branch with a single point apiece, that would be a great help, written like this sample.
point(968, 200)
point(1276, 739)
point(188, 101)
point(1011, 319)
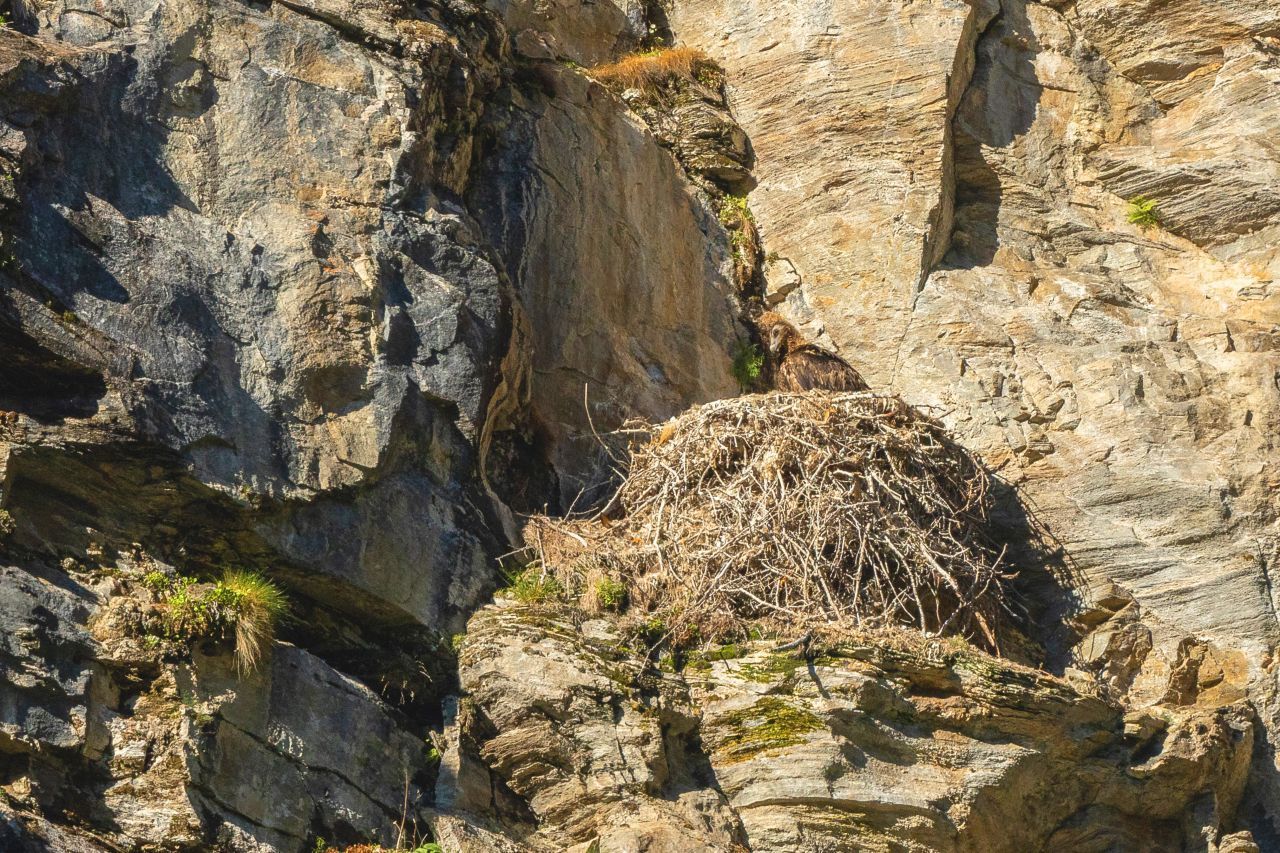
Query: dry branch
point(797, 511)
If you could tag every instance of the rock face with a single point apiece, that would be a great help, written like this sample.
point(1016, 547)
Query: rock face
point(278, 328)
point(865, 748)
point(616, 329)
point(945, 186)
point(598, 748)
point(327, 288)
point(282, 284)
point(99, 733)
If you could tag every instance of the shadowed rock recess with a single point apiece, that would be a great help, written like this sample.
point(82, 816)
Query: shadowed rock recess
point(333, 291)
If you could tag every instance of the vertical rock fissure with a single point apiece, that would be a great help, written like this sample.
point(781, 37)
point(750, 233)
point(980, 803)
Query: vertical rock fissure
point(941, 221)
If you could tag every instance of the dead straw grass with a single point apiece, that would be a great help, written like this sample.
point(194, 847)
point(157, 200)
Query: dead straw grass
point(652, 69)
point(793, 512)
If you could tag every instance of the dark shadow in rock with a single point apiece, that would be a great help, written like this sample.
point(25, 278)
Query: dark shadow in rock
point(1045, 593)
point(520, 475)
point(94, 168)
point(817, 681)
point(998, 106)
point(1258, 806)
point(660, 25)
point(864, 735)
point(689, 766)
point(39, 383)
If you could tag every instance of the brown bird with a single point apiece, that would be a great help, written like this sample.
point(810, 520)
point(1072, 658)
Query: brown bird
point(802, 366)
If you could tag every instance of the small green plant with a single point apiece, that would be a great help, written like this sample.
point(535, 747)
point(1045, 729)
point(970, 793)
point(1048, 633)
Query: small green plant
point(8, 259)
point(653, 631)
point(748, 362)
point(4, 20)
point(734, 210)
point(7, 524)
point(156, 581)
point(1143, 212)
point(535, 586)
point(610, 593)
point(244, 603)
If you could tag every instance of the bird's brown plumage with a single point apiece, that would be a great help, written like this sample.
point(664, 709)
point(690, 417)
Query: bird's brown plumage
point(802, 366)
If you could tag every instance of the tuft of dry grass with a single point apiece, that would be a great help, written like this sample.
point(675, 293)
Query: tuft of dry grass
point(258, 605)
point(245, 603)
point(818, 511)
point(653, 69)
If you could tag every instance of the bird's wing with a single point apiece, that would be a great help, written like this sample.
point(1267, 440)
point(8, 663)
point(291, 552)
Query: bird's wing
point(809, 367)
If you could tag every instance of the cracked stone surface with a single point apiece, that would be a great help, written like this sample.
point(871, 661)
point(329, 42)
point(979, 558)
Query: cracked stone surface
point(949, 184)
point(868, 747)
point(314, 287)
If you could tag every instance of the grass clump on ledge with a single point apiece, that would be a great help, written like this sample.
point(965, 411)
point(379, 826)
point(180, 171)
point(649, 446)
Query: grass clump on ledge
point(652, 69)
point(534, 586)
point(832, 512)
point(243, 604)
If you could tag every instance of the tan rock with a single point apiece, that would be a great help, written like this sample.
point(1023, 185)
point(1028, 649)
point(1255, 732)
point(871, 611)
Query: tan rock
point(896, 745)
point(1122, 377)
point(618, 330)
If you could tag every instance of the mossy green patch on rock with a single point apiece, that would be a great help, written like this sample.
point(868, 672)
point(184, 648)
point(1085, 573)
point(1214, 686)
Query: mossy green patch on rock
point(702, 660)
point(771, 723)
point(771, 668)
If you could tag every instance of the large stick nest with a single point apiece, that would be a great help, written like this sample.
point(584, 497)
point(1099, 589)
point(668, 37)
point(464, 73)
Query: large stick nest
point(795, 511)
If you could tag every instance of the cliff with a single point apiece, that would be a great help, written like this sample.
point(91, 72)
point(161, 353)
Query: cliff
point(336, 291)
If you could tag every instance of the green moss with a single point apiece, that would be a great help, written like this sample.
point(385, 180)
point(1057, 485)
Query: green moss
point(702, 660)
point(771, 723)
point(773, 668)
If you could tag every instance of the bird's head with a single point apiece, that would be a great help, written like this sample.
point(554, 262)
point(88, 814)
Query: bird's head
point(778, 335)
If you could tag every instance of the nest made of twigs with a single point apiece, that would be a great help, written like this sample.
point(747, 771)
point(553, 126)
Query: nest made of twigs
point(793, 511)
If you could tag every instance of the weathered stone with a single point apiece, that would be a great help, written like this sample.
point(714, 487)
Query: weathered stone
point(46, 661)
point(1122, 378)
point(574, 198)
point(287, 328)
point(586, 33)
point(870, 747)
point(601, 750)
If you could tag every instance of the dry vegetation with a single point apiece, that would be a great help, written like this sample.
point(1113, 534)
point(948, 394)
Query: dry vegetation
point(655, 68)
point(792, 512)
